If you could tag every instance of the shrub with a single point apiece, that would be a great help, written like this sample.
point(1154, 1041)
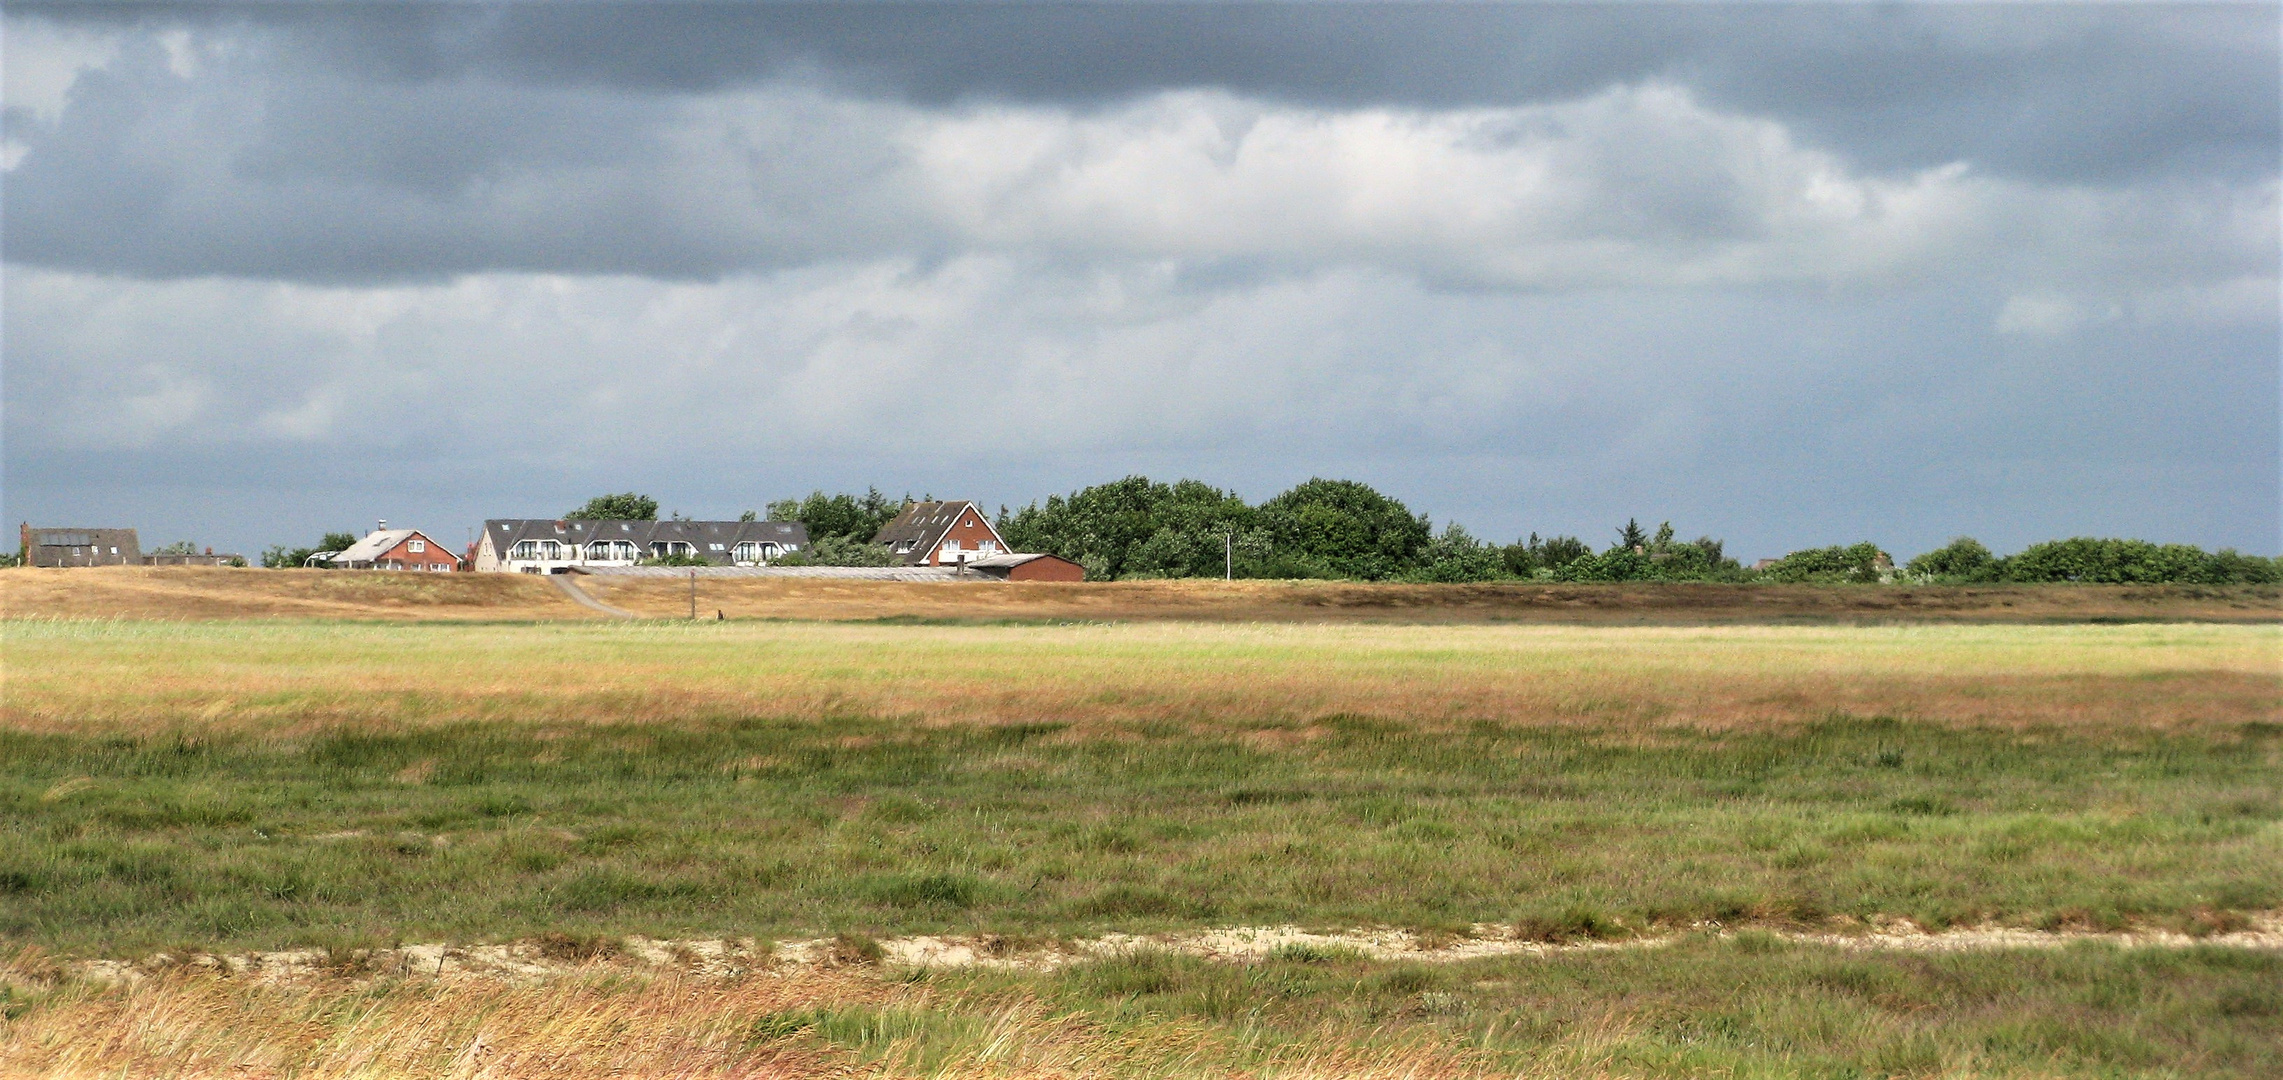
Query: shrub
point(2088, 559)
point(1457, 556)
point(1858, 563)
point(1963, 559)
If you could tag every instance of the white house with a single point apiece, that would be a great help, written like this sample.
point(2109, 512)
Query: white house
point(548, 546)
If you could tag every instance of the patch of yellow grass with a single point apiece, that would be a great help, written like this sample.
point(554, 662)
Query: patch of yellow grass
point(79, 676)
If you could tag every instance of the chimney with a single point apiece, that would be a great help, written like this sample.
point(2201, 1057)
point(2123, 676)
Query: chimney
point(382, 527)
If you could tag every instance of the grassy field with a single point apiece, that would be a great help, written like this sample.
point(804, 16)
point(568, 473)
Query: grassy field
point(204, 593)
point(239, 785)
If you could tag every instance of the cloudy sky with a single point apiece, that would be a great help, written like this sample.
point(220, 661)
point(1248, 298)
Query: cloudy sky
point(1786, 275)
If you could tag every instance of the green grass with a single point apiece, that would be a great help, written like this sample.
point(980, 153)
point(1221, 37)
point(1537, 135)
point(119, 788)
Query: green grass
point(117, 844)
point(1744, 1007)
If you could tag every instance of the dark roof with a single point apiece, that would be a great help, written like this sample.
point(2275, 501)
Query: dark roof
point(924, 523)
point(82, 537)
point(504, 532)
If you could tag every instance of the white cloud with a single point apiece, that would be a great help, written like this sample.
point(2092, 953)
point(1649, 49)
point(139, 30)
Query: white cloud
point(43, 60)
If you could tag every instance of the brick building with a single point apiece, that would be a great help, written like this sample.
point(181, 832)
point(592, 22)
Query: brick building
point(80, 547)
point(941, 534)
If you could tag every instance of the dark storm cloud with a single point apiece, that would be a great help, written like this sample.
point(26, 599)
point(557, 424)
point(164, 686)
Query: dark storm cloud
point(1795, 274)
point(2059, 92)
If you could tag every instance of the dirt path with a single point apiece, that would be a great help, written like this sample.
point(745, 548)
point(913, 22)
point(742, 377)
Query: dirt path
point(1243, 944)
point(567, 587)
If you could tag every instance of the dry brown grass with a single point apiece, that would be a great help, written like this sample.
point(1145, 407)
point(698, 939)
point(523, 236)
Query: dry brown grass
point(1274, 681)
point(198, 593)
point(609, 1020)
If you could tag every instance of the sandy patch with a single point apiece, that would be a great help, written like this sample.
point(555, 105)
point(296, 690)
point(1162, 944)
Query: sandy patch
point(725, 958)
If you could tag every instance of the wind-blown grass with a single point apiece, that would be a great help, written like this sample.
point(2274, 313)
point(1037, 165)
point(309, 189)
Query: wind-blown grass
point(1747, 1006)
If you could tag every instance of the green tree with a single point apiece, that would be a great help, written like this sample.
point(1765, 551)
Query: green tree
point(832, 550)
point(1962, 559)
point(1630, 537)
point(623, 507)
point(1136, 527)
point(849, 517)
point(281, 557)
point(179, 547)
point(1347, 527)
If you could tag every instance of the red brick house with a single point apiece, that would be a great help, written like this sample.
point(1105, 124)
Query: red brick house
point(397, 549)
point(941, 534)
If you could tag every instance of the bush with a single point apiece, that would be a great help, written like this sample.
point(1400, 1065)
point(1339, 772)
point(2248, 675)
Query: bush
point(1856, 563)
point(2088, 559)
point(1525, 558)
point(1963, 559)
point(1458, 556)
point(1639, 557)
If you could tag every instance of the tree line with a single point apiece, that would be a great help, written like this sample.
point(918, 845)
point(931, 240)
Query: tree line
point(1137, 528)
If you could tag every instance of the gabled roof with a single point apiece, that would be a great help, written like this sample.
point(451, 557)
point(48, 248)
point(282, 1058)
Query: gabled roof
point(924, 523)
point(378, 542)
point(701, 535)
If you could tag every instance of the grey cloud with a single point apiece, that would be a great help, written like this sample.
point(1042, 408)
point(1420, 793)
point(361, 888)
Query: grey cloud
point(1773, 417)
point(2051, 92)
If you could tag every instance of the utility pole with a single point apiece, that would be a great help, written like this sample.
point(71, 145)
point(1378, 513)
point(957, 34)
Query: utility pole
point(1229, 554)
point(693, 593)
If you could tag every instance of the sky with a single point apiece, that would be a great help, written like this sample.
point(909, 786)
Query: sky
point(1784, 275)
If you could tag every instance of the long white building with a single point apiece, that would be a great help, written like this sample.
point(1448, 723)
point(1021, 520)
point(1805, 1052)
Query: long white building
point(550, 546)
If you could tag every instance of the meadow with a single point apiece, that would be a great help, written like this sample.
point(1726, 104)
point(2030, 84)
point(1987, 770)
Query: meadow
point(221, 786)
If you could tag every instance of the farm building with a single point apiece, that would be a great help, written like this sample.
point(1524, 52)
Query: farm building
point(548, 546)
point(941, 534)
point(397, 549)
point(1019, 567)
point(80, 547)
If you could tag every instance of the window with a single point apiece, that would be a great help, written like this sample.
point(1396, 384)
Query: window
point(611, 550)
point(416, 546)
point(663, 548)
point(714, 547)
point(536, 549)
